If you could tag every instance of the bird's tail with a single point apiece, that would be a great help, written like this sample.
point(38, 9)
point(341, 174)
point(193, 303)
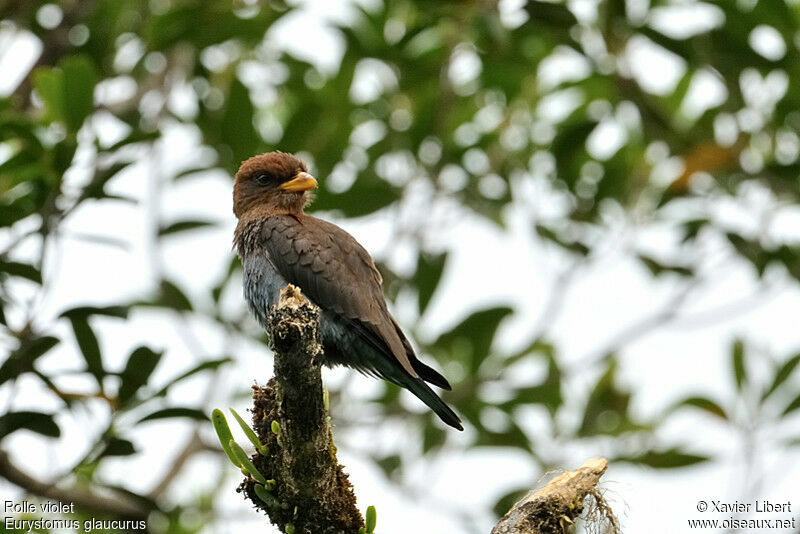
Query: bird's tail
point(423, 391)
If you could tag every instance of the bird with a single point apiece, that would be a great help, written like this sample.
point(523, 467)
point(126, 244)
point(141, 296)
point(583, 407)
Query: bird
point(279, 244)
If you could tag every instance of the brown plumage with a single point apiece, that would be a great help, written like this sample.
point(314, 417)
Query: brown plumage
point(280, 244)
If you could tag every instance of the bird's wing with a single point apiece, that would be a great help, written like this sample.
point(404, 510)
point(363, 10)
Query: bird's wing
point(337, 274)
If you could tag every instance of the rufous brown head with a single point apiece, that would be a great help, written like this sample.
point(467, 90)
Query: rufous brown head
point(275, 181)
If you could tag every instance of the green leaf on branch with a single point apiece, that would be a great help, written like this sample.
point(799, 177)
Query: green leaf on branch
point(247, 464)
point(224, 434)
point(141, 364)
point(251, 435)
point(371, 519)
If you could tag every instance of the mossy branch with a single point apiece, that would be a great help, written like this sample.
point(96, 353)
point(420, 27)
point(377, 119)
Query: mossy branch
point(554, 508)
point(307, 490)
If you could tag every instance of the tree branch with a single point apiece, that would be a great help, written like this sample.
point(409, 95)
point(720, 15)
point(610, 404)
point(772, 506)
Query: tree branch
point(311, 491)
point(554, 508)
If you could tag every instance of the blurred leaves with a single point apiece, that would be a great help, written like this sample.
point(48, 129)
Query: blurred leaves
point(22, 359)
point(141, 364)
point(41, 423)
point(67, 91)
point(169, 413)
point(607, 409)
point(667, 459)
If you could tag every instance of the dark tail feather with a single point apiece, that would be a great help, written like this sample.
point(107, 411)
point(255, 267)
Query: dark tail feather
point(429, 374)
point(426, 395)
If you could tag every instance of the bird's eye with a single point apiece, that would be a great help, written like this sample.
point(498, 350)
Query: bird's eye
point(263, 178)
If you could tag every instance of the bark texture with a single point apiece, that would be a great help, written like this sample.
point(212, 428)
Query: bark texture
point(554, 508)
point(311, 491)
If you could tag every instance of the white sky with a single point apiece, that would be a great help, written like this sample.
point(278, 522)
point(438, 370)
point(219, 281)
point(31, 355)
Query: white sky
point(670, 363)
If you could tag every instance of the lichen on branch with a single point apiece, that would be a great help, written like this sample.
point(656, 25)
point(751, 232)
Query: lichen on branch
point(310, 493)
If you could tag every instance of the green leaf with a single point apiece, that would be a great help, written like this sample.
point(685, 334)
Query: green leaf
point(23, 359)
point(249, 433)
point(657, 268)
point(211, 364)
point(667, 459)
point(702, 403)
point(792, 406)
point(22, 270)
point(183, 226)
point(118, 447)
point(389, 464)
point(172, 297)
point(224, 434)
point(79, 82)
point(96, 187)
point(372, 519)
point(49, 83)
point(606, 411)
point(470, 340)
point(90, 348)
point(236, 128)
point(168, 413)
point(737, 359)
point(242, 456)
point(782, 374)
point(120, 312)
point(429, 273)
point(265, 496)
point(567, 244)
point(141, 364)
point(38, 422)
point(368, 194)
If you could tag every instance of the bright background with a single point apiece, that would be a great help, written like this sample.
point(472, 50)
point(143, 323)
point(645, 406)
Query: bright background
point(585, 213)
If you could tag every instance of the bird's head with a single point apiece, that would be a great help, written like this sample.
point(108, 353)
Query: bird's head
point(275, 181)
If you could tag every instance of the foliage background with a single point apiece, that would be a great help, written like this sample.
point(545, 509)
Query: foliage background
point(585, 212)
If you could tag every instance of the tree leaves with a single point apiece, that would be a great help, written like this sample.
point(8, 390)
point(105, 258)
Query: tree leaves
point(737, 361)
point(702, 403)
point(38, 422)
point(183, 226)
point(178, 411)
point(24, 357)
point(470, 340)
point(89, 346)
point(664, 459)
point(141, 364)
point(67, 90)
point(429, 272)
point(22, 270)
point(78, 85)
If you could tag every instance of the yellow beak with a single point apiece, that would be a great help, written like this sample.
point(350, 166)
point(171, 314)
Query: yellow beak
point(301, 182)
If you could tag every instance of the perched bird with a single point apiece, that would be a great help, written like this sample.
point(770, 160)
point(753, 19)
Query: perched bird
point(279, 244)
